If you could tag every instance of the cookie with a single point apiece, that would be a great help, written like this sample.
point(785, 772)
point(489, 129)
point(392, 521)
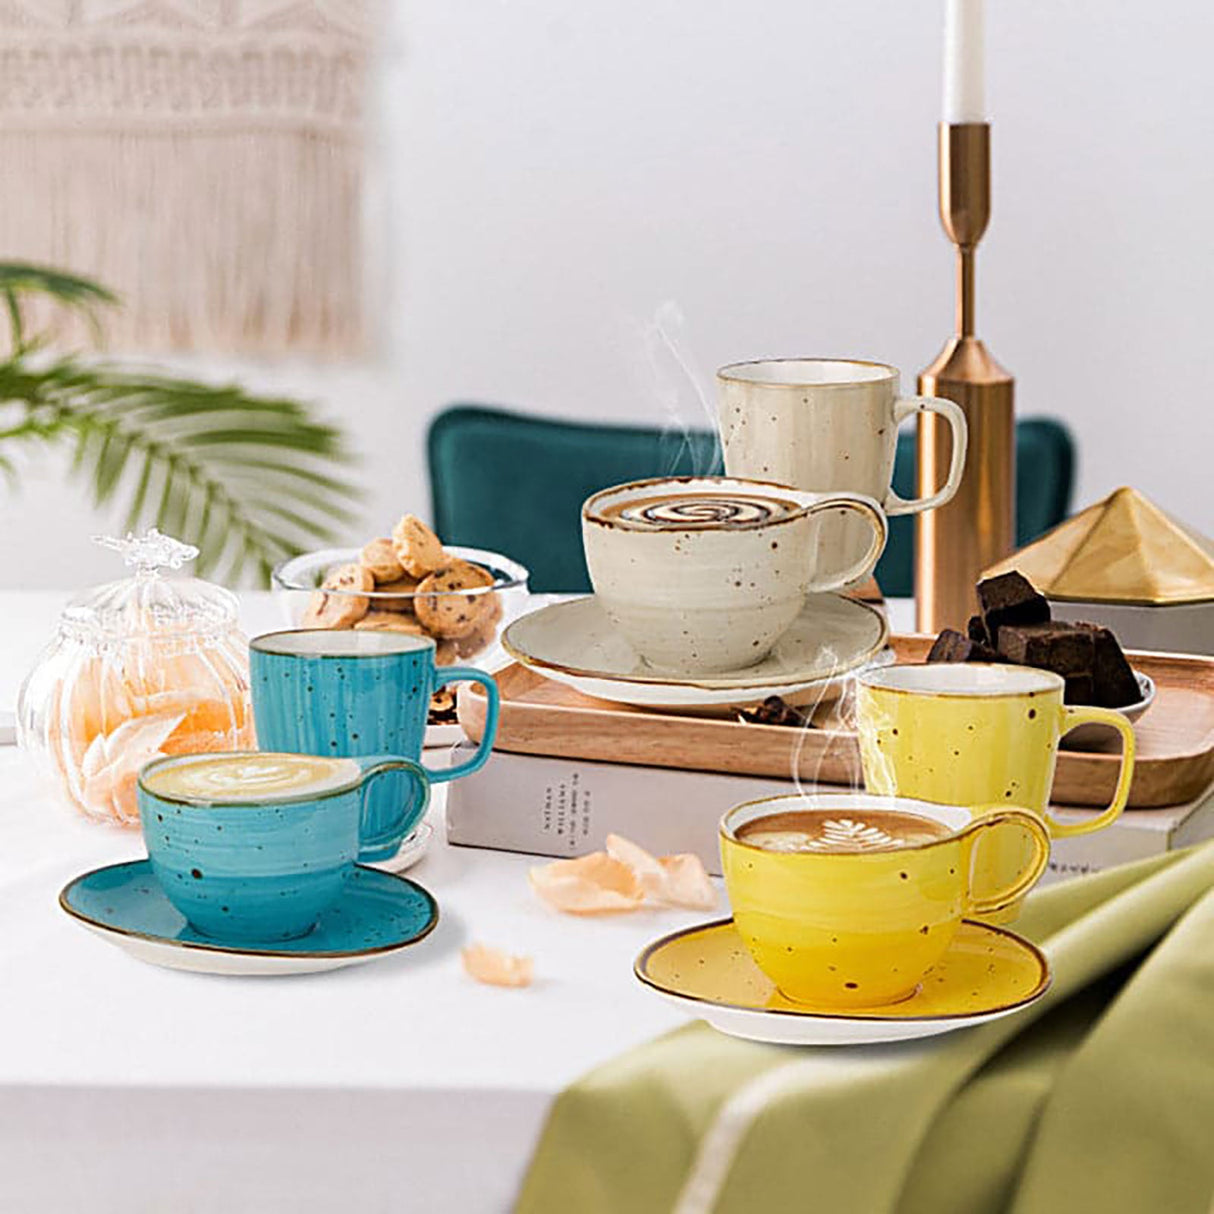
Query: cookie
point(417, 547)
point(443, 610)
point(345, 608)
point(379, 556)
point(404, 586)
point(481, 637)
point(442, 702)
point(389, 621)
point(444, 652)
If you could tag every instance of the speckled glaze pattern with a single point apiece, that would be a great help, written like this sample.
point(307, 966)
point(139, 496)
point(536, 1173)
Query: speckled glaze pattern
point(703, 599)
point(357, 693)
point(374, 913)
point(985, 737)
point(824, 425)
point(267, 871)
point(706, 970)
point(863, 928)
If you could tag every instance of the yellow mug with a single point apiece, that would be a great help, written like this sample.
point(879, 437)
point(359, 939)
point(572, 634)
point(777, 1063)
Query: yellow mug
point(861, 923)
point(982, 736)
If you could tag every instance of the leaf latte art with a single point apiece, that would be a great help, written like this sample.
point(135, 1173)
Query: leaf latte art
point(701, 510)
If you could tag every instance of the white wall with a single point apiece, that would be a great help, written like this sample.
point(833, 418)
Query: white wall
point(569, 181)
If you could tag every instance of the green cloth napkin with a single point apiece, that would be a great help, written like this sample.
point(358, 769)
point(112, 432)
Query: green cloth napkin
point(1098, 1098)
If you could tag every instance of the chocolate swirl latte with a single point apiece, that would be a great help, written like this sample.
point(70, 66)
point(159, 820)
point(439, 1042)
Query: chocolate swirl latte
point(682, 510)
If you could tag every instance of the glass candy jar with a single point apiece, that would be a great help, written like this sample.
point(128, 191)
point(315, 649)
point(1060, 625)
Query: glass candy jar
point(139, 668)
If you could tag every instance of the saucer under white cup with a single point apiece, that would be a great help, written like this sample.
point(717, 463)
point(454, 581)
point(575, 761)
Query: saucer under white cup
point(574, 643)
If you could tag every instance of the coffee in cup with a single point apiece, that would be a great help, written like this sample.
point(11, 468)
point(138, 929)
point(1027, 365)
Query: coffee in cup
point(255, 846)
point(847, 900)
point(705, 574)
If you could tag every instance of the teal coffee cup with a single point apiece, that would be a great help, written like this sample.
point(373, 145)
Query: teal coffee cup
point(347, 694)
point(253, 847)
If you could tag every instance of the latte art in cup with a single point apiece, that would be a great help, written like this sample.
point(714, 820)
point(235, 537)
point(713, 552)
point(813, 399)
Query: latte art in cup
point(683, 510)
point(817, 831)
point(250, 777)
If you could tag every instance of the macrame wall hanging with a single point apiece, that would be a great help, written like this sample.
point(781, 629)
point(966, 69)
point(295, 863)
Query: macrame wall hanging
point(204, 158)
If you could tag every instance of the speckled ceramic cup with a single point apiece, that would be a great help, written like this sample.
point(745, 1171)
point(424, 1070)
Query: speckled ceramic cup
point(343, 693)
point(254, 846)
point(705, 574)
point(825, 424)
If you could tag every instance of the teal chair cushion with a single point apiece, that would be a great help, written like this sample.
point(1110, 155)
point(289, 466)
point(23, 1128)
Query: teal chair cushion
point(515, 483)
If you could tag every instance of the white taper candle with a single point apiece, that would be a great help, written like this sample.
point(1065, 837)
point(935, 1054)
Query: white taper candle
point(964, 67)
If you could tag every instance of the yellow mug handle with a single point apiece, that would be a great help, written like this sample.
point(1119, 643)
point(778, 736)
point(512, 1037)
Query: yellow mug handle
point(1029, 823)
point(1072, 718)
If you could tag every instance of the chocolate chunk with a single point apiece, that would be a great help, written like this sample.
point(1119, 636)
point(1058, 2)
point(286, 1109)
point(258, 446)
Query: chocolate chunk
point(977, 631)
point(1062, 648)
point(1066, 649)
point(951, 646)
point(1080, 689)
point(773, 711)
point(1010, 599)
point(1113, 677)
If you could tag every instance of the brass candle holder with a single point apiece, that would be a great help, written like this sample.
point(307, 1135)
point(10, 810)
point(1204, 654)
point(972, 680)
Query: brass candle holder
point(977, 528)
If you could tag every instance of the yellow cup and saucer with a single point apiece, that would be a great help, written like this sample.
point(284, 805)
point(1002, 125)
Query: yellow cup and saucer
point(851, 923)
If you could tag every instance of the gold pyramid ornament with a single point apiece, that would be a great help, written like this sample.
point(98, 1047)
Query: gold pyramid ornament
point(1124, 549)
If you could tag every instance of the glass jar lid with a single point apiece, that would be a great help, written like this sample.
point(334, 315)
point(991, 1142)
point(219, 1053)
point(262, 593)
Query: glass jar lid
point(149, 602)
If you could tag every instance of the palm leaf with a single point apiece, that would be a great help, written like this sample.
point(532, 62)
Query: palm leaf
point(250, 480)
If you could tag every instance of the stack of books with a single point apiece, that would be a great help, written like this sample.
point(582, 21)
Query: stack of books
point(565, 807)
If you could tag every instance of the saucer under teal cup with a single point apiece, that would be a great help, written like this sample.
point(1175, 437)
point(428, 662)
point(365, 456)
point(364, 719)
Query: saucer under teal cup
point(265, 868)
point(349, 693)
point(377, 914)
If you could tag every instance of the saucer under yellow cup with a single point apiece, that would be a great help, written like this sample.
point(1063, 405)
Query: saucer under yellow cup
point(863, 922)
point(707, 972)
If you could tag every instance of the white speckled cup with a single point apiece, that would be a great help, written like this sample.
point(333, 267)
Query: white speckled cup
point(826, 424)
point(703, 575)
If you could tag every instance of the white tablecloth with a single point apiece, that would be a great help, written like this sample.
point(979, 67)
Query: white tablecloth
point(401, 1084)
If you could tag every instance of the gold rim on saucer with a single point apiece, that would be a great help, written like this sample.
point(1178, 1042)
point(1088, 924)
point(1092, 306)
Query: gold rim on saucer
point(766, 674)
point(987, 970)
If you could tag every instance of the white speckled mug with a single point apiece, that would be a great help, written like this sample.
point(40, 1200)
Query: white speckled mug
point(705, 574)
point(825, 424)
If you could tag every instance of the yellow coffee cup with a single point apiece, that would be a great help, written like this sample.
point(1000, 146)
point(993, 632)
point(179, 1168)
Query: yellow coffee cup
point(858, 921)
point(981, 736)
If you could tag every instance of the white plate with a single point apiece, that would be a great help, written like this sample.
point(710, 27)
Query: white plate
point(411, 850)
point(575, 643)
point(1096, 737)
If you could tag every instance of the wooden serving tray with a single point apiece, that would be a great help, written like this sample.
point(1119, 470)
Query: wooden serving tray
point(540, 717)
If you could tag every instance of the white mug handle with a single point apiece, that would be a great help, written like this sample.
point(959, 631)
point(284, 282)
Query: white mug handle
point(904, 406)
point(874, 516)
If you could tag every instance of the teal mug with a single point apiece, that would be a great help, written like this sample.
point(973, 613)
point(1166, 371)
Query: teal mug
point(253, 846)
point(350, 693)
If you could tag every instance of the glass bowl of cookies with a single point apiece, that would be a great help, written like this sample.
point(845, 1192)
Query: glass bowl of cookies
point(410, 582)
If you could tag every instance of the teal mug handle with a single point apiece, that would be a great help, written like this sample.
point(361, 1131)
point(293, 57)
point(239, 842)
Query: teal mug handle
point(373, 846)
point(466, 674)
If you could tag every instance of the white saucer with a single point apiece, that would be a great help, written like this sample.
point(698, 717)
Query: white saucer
point(575, 643)
point(415, 846)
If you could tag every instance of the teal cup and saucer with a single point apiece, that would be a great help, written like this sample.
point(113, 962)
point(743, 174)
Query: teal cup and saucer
point(348, 693)
point(253, 865)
